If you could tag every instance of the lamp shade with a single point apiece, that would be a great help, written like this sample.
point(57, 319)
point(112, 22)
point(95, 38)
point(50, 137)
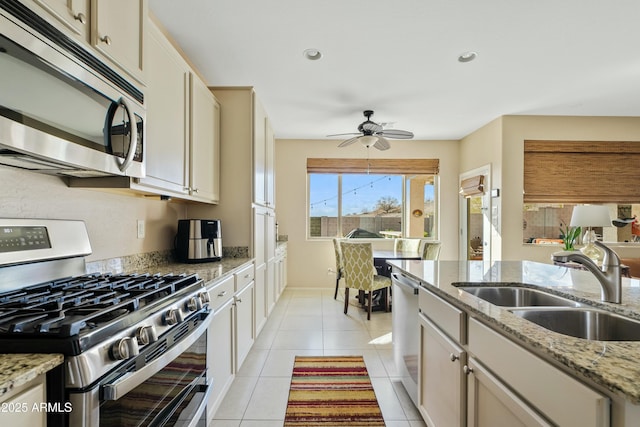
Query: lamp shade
point(590, 216)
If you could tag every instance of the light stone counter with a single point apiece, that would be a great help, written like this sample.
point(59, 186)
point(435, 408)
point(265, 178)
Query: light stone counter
point(614, 365)
point(20, 368)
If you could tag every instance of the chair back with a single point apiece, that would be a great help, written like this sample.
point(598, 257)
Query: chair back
point(407, 245)
point(338, 253)
point(357, 264)
point(430, 250)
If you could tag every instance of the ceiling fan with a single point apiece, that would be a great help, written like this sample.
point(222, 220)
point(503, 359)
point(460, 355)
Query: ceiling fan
point(372, 134)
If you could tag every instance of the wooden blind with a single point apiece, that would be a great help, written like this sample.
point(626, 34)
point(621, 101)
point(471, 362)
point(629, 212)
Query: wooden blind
point(582, 171)
point(375, 166)
point(472, 186)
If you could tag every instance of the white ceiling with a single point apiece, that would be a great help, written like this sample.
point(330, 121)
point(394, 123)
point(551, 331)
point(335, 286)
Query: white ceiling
point(399, 58)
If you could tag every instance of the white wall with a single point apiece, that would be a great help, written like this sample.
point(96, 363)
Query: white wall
point(110, 218)
point(308, 260)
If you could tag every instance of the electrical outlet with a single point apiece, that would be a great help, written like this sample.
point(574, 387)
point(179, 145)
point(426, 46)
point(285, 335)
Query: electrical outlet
point(141, 229)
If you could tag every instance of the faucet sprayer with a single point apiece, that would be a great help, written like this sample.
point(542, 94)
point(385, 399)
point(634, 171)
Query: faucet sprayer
point(609, 275)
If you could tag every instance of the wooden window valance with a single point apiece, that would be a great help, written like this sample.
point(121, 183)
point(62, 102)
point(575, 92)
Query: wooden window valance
point(472, 186)
point(374, 166)
point(582, 171)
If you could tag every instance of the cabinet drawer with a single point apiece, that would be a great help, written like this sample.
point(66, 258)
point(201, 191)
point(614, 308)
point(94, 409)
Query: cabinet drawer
point(562, 399)
point(446, 316)
point(244, 277)
point(221, 292)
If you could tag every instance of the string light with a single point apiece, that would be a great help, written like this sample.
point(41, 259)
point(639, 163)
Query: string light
point(354, 190)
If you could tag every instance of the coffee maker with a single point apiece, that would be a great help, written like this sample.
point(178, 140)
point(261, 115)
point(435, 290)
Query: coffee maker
point(199, 240)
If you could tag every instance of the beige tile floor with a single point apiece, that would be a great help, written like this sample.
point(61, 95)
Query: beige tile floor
point(311, 322)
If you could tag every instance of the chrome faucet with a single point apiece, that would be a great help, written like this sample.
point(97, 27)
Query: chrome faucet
point(609, 275)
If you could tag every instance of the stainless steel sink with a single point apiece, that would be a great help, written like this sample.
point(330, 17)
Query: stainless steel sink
point(516, 296)
point(587, 323)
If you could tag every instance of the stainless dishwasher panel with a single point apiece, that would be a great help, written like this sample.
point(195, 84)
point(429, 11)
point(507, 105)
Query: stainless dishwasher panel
point(405, 332)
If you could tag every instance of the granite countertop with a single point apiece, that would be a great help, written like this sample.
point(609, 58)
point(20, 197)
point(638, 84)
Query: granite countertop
point(207, 271)
point(614, 365)
point(20, 368)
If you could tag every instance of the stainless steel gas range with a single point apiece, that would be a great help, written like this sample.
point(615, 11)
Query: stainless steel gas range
point(134, 344)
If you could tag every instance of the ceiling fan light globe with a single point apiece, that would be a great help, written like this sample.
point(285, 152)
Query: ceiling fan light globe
point(368, 140)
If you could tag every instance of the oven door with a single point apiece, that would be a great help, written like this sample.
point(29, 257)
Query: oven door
point(165, 385)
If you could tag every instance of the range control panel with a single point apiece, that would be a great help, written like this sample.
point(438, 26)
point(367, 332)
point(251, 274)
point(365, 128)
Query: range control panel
point(24, 238)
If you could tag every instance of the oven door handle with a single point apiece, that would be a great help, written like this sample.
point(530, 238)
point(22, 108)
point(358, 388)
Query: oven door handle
point(130, 380)
point(196, 416)
point(202, 407)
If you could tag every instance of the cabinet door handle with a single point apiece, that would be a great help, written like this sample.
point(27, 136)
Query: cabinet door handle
point(195, 190)
point(453, 357)
point(467, 370)
point(80, 17)
point(106, 40)
point(238, 299)
point(223, 293)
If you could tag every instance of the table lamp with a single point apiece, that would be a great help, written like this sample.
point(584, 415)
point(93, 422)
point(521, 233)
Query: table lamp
point(587, 216)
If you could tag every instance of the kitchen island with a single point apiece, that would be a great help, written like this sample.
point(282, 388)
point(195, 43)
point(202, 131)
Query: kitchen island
point(612, 368)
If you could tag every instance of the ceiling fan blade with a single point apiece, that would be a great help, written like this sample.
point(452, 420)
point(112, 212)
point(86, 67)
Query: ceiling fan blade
point(382, 143)
point(395, 134)
point(344, 134)
point(348, 141)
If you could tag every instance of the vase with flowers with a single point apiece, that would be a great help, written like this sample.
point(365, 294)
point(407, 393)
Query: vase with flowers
point(569, 235)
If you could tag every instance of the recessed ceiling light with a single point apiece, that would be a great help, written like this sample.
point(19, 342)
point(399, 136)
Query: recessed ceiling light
point(467, 57)
point(312, 54)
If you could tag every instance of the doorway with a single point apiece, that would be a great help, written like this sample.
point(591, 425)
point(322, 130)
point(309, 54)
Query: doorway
point(475, 215)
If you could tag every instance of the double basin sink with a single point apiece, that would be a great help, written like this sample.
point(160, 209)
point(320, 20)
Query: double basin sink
point(559, 314)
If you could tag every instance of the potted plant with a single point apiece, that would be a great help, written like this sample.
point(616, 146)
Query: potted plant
point(569, 235)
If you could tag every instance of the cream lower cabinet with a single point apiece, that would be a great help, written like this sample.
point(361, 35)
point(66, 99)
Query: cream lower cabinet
point(17, 407)
point(244, 320)
point(553, 397)
point(261, 314)
point(492, 404)
point(220, 338)
point(443, 384)
point(471, 375)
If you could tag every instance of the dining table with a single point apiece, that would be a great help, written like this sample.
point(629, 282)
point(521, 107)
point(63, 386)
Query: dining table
point(380, 258)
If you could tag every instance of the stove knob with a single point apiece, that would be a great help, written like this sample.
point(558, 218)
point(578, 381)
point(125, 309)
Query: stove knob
point(146, 335)
point(194, 303)
point(204, 297)
point(172, 316)
point(124, 348)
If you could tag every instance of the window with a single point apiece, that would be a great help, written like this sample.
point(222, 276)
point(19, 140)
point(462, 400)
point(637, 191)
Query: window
point(371, 205)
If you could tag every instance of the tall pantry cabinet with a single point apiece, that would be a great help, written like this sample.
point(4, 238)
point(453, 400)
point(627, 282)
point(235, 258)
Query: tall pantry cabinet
point(247, 192)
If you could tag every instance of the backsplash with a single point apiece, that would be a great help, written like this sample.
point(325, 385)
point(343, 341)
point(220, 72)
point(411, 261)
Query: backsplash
point(147, 261)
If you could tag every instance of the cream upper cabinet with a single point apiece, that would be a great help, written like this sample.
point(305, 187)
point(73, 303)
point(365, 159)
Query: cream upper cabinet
point(183, 127)
point(205, 143)
point(244, 156)
point(73, 14)
point(117, 31)
point(167, 95)
point(263, 157)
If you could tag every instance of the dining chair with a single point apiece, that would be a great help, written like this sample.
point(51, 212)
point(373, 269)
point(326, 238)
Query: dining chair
point(406, 245)
point(360, 274)
point(339, 270)
point(430, 250)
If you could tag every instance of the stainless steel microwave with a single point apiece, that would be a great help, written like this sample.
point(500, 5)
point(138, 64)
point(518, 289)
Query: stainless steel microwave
point(62, 110)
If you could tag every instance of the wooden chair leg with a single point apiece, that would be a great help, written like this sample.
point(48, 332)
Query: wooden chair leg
point(387, 296)
point(346, 300)
point(369, 305)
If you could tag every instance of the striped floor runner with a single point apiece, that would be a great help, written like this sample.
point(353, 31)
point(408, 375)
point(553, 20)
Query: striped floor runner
point(331, 391)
